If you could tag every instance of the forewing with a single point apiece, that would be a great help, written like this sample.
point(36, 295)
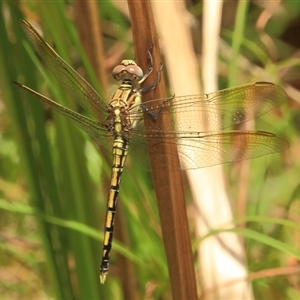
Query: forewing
point(78, 88)
point(216, 111)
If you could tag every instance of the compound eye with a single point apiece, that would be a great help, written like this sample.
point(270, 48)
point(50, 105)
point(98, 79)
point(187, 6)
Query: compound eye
point(118, 69)
point(135, 70)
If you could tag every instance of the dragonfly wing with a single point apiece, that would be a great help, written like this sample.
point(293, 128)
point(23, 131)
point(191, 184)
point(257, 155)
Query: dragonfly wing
point(205, 149)
point(217, 110)
point(214, 148)
point(76, 85)
point(95, 129)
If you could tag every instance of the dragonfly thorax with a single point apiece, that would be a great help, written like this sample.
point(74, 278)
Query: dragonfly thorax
point(121, 117)
point(118, 123)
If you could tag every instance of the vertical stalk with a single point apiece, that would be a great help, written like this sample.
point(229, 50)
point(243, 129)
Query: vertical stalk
point(168, 185)
point(237, 40)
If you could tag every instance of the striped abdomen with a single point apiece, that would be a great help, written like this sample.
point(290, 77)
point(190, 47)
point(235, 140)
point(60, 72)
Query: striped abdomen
point(120, 150)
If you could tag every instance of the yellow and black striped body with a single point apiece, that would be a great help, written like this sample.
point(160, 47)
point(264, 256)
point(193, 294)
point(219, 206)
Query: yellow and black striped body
point(120, 150)
point(118, 124)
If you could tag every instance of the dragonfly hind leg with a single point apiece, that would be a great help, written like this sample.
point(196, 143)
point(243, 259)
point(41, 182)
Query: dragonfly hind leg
point(155, 115)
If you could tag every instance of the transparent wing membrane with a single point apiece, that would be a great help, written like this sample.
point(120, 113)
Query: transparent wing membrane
point(80, 90)
point(203, 147)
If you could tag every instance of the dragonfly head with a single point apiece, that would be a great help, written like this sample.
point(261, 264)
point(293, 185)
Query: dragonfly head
point(128, 69)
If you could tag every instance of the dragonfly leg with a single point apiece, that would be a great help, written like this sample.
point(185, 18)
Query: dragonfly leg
point(152, 86)
point(153, 115)
point(151, 64)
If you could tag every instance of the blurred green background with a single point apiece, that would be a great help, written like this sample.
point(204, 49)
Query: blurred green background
point(53, 177)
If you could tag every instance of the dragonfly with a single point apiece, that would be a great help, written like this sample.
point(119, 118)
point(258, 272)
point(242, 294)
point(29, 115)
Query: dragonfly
point(119, 124)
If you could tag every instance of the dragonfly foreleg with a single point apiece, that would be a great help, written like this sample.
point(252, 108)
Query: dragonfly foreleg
point(152, 86)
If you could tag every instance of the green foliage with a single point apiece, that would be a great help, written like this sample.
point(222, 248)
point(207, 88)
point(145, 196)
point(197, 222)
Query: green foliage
point(53, 186)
